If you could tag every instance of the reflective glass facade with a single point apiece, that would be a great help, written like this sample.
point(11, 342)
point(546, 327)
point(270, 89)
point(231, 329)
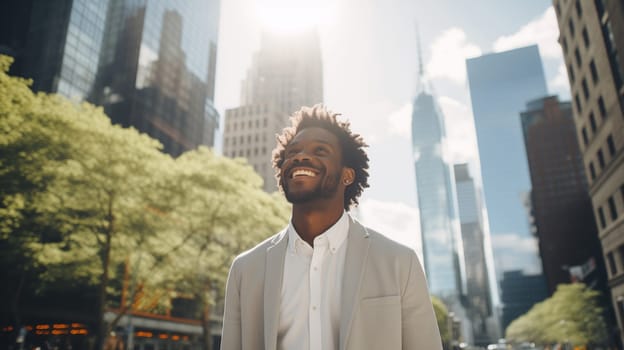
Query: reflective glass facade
point(500, 85)
point(82, 48)
point(436, 200)
point(157, 70)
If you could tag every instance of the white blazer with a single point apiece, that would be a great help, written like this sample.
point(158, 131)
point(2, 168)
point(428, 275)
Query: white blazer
point(385, 300)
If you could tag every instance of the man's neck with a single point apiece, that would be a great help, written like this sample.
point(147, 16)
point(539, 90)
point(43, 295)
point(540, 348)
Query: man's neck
point(312, 220)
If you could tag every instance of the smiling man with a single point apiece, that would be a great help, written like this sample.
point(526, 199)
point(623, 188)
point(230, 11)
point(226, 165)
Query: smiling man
point(326, 282)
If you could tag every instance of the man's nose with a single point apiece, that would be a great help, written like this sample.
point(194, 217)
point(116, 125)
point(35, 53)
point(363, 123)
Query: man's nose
point(301, 156)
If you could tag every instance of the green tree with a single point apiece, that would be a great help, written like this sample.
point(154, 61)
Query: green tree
point(215, 208)
point(442, 316)
point(572, 315)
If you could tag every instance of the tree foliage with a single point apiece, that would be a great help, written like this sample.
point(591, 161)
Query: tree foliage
point(82, 198)
point(572, 315)
point(442, 317)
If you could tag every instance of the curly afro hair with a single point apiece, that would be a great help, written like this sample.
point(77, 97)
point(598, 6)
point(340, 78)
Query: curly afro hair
point(353, 154)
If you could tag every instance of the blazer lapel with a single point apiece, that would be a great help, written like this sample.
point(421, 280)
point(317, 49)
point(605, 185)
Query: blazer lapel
point(357, 252)
point(274, 272)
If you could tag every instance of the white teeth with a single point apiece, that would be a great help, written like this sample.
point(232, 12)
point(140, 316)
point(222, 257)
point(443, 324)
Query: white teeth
point(303, 172)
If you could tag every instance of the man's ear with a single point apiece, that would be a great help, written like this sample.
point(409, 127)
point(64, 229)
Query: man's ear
point(348, 176)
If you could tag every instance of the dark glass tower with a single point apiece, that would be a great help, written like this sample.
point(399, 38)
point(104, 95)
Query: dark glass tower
point(157, 70)
point(151, 64)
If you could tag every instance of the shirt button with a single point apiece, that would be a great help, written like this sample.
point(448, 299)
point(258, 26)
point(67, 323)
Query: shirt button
point(314, 308)
point(315, 268)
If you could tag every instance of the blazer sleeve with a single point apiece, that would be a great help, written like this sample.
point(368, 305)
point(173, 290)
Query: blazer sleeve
point(419, 325)
point(231, 333)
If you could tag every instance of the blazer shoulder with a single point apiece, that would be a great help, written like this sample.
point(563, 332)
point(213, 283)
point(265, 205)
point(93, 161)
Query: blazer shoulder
point(259, 251)
point(383, 244)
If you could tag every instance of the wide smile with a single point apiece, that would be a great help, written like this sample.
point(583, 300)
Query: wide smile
point(301, 172)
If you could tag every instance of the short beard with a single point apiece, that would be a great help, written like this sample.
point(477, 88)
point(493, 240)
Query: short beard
point(324, 190)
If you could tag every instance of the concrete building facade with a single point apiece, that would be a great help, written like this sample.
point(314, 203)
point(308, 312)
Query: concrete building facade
point(285, 74)
point(592, 41)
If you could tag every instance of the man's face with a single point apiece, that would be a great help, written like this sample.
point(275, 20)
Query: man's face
point(312, 167)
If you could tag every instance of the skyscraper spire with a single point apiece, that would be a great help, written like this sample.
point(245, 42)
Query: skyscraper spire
point(421, 82)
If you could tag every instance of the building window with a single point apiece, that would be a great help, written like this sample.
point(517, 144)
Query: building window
point(265, 122)
point(585, 89)
point(592, 122)
point(577, 56)
point(612, 209)
point(611, 145)
point(256, 151)
point(601, 218)
point(579, 9)
point(240, 153)
point(592, 170)
point(577, 102)
point(601, 160)
point(242, 139)
point(571, 26)
point(263, 150)
point(602, 108)
point(564, 44)
point(585, 37)
point(612, 265)
point(558, 8)
point(248, 138)
point(585, 137)
point(250, 124)
point(571, 73)
point(594, 72)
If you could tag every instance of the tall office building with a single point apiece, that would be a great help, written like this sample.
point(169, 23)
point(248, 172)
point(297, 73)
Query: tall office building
point(439, 222)
point(592, 40)
point(481, 291)
point(157, 70)
point(57, 44)
point(519, 292)
point(151, 64)
point(286, 73)
point(561, 208)
point(500, 85)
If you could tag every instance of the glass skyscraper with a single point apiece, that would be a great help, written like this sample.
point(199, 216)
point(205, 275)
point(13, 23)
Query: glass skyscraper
point(481, 291)
point(439, 222)
point(500, 85)
point(157, 70)
point(151, 64)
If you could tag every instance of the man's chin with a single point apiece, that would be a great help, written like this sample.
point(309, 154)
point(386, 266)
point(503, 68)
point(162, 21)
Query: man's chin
point(301, 197)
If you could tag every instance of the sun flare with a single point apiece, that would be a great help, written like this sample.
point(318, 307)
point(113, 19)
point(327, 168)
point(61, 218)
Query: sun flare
point(287, 16)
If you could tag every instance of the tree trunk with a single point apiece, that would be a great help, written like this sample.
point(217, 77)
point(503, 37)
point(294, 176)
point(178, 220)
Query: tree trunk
point(101, 324)
point(205, 320)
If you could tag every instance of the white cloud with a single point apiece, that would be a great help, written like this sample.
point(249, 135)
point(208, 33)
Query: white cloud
point(543, 31)
point(398, 221)
point(515, 252)
point(448, 55)
point(461, 137)
point(399, 122)
point(560, 82)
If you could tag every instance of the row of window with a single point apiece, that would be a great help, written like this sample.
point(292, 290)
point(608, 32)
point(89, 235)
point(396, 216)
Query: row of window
point(248, 152)
point(250, 124)
point(614, 267)
point(593, 124)
point(233, 140)
point(600, 156)
point(613, 211)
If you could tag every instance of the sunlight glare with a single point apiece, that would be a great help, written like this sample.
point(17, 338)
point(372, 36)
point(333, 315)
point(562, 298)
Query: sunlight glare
point(287, 16)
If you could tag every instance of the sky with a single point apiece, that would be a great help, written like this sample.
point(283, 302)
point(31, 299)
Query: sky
point(370, 61)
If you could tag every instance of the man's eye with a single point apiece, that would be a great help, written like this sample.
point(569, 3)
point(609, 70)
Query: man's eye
point(321, 150)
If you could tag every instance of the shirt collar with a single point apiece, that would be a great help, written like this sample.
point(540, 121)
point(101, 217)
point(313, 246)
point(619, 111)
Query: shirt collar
point(335, 236)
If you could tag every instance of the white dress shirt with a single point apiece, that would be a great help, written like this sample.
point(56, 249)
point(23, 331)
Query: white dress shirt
point(309, 316)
